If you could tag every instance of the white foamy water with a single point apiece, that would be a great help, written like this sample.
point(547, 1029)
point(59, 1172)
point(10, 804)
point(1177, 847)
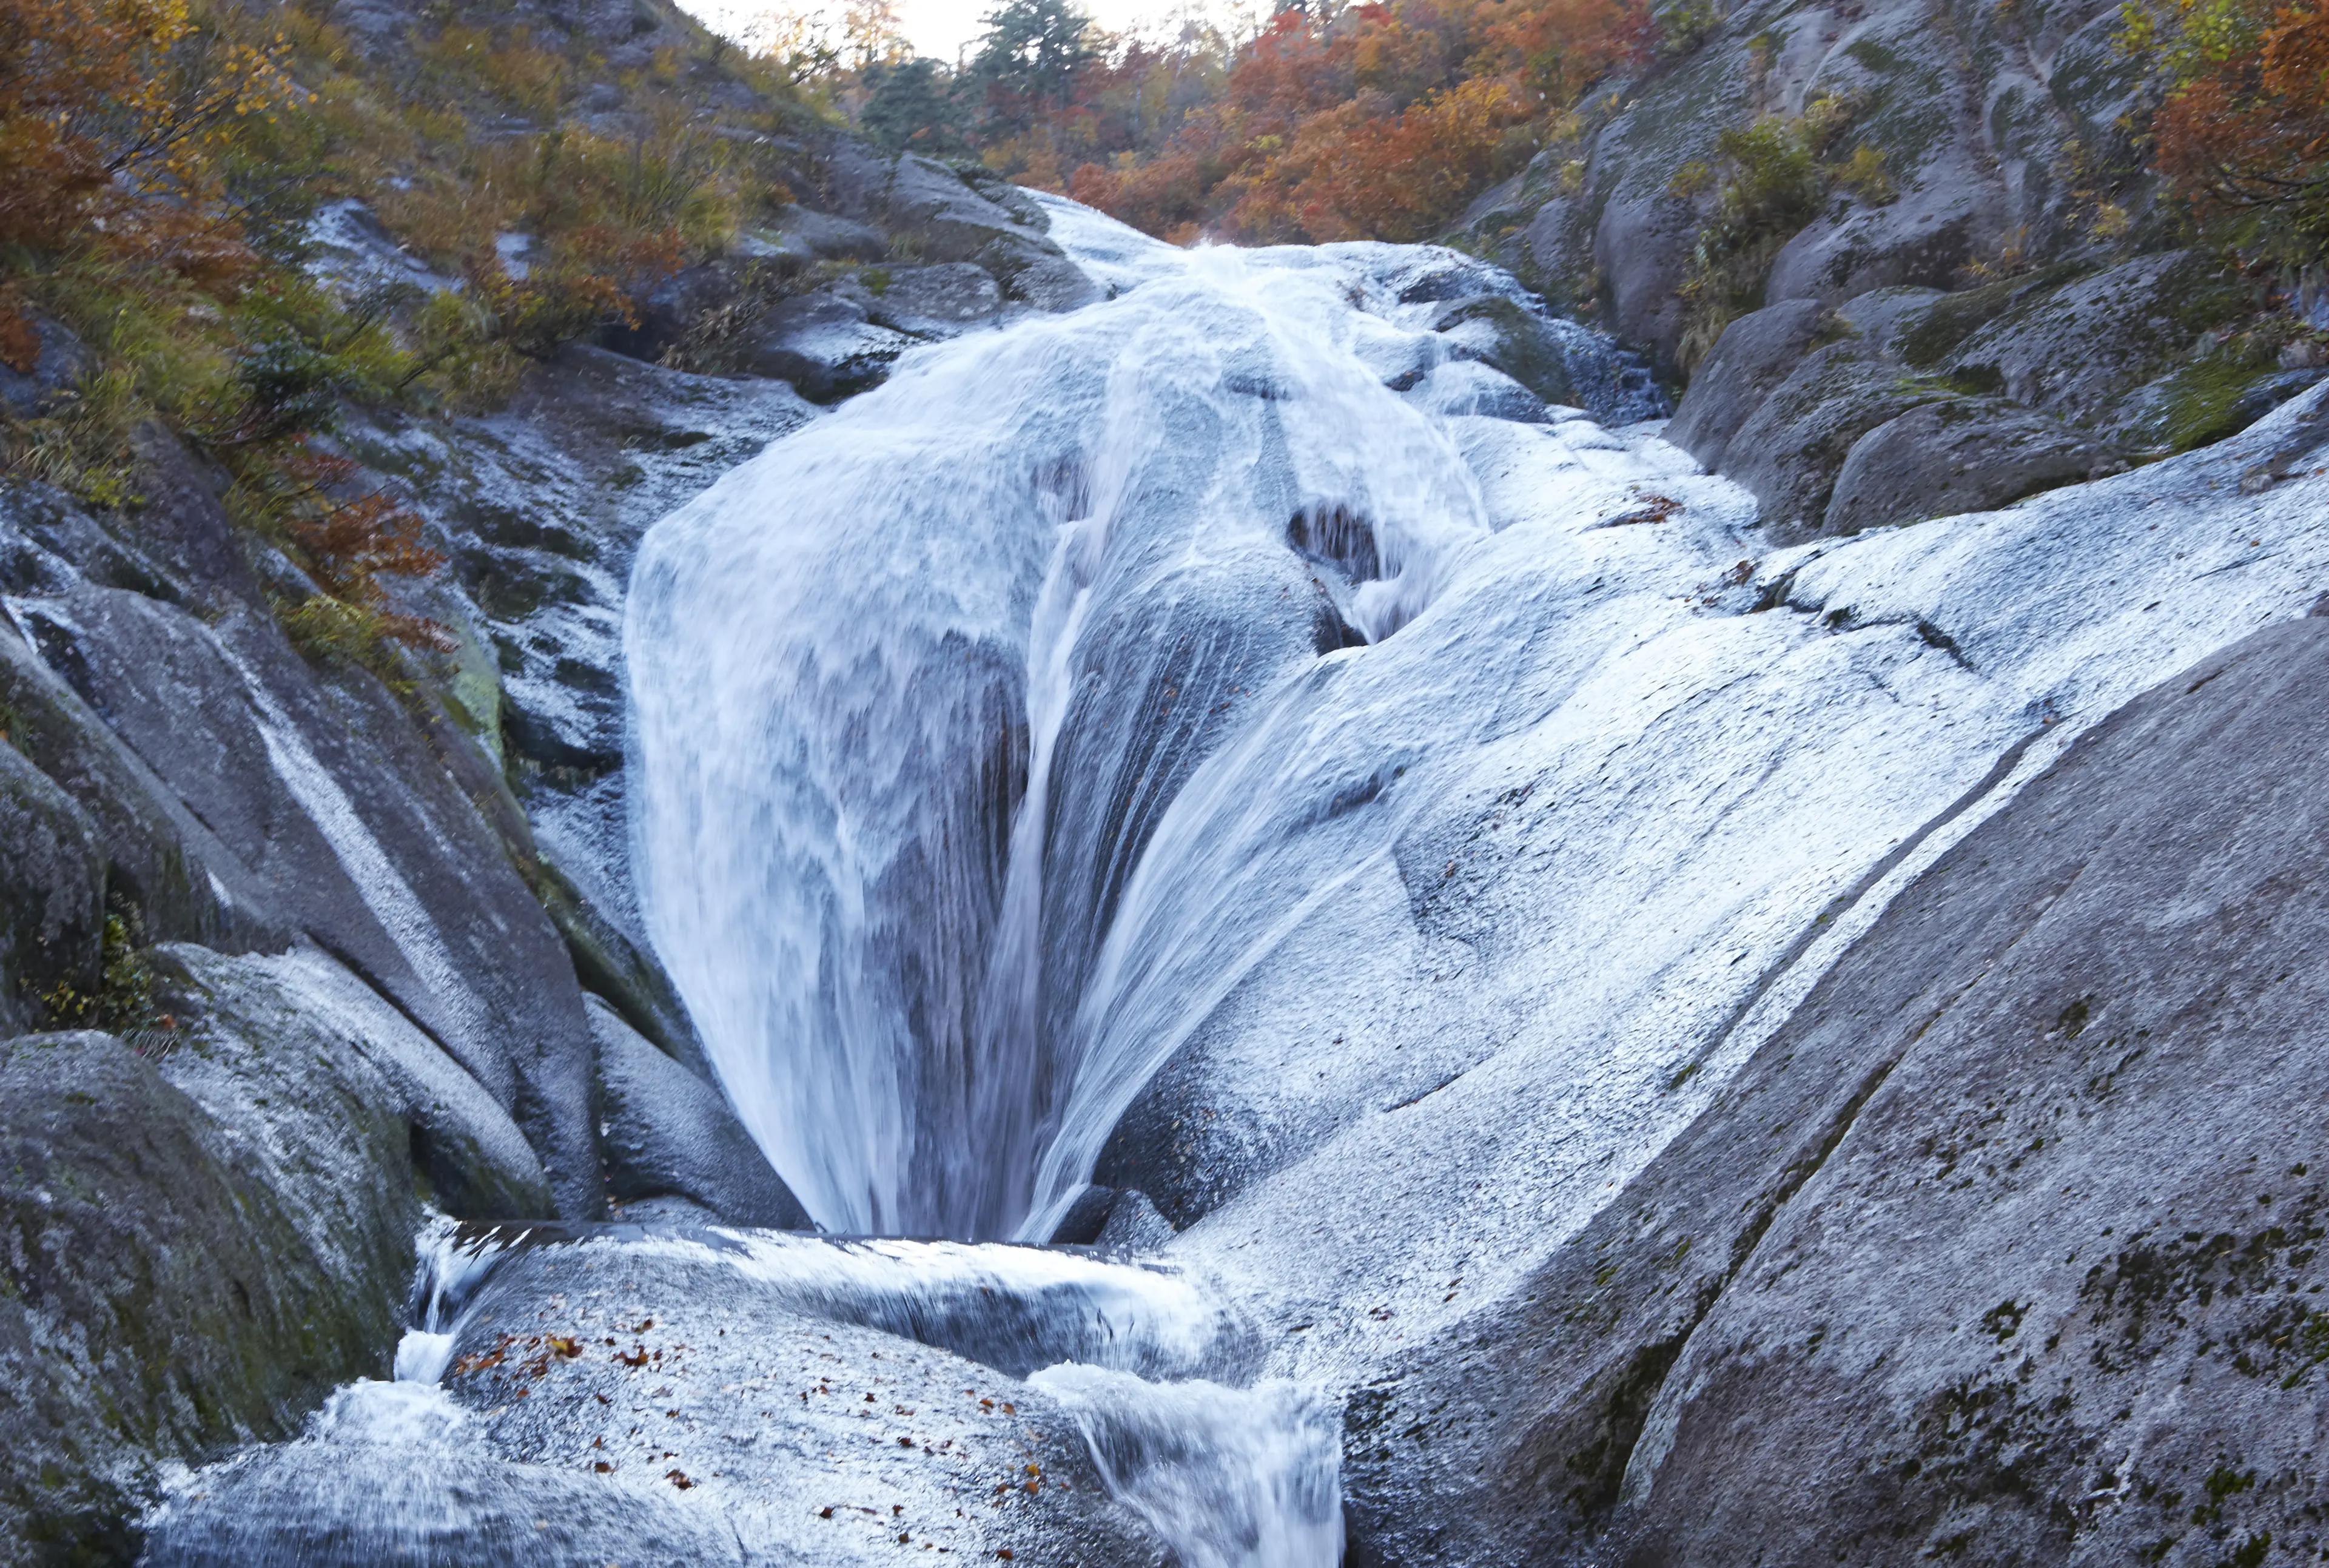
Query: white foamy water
point(912, 688)
point(1234, 1478)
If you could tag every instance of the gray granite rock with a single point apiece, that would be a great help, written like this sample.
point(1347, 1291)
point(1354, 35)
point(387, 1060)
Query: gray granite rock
point(1500, 333)
point(172, 1282)
point(1791, 448)
point(251, 1015)
point(730, 1374)
point(51, 899)
point(668, 1132)
point(1958, 455)
point(1754, 354)
point(2004, 1247)
point(824, 345)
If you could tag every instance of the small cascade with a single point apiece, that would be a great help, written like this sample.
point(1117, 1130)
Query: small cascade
point(1234, 1478)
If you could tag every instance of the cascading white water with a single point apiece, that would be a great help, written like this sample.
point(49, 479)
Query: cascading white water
point(914, 696)
point(912, 688)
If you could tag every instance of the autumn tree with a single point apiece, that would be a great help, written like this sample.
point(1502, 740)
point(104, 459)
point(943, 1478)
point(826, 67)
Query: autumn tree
point(2243, 134)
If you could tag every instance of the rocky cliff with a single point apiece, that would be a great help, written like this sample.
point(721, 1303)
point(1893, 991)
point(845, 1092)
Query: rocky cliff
point(1909, 258)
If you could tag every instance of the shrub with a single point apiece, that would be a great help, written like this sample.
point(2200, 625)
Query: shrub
point(2243, 134)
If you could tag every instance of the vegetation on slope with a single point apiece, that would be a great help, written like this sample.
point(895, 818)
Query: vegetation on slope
point(162, 164)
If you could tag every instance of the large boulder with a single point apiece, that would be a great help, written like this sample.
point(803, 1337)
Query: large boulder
point(661, 1398)
point(826, 345)
point(395, 1473)
point(1791, 448)
point(939, 301)
point(668, 1132)
point(262, 1014)
point(1500, 333)
point(1958, 455)
point(1754, 354)
point(173, 1280)
point(931, 213)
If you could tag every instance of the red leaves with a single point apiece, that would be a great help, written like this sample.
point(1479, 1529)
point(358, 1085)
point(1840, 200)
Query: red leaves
point(1379, 124)
point(2244, 133)
point(20, 344)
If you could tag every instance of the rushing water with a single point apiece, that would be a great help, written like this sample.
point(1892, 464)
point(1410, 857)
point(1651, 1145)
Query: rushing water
point(915, 688)
point(915, 694)
point(922, 701)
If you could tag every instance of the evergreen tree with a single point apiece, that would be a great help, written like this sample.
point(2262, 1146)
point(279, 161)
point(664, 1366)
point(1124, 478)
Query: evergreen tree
point(913, 107)
point(1030, 56)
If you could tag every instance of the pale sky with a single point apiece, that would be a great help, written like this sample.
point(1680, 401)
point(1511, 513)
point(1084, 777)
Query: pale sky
point(944, 27)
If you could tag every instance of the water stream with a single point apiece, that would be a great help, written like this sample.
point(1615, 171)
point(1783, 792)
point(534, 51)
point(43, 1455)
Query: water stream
point(923, 698)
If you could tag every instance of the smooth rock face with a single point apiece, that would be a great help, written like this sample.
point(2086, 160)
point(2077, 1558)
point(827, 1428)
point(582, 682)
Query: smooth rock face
point(302, 1007)
point(668, 1132)
point(355, 830)
point(173, 1282)
point(1958, 455)
point(929, 302)
point(824, 345)
point(160, 861)
point(1498, 332)
point(1976, 1248)
point(2076, 1045)
point(1755, 354)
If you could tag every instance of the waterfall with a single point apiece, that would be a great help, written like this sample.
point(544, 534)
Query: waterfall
point(917, 696)
point(914, 689)
point(971, 727)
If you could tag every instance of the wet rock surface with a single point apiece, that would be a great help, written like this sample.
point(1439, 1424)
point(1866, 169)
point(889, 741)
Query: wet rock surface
point(668, 1132)
point(176, 1282)
point(686, 1369)
point(2002, 1246)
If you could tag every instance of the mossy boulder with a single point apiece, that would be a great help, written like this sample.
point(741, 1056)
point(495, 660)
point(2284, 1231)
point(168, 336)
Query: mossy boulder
point(167, 1285)
point(1754, 354)
point(52, 881)
point(1958, 455)
point(1789, 451)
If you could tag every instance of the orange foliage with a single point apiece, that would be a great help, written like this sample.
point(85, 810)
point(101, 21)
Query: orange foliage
point(1380, 123)
point(349, 543)
point(108, 112)
point(2244, 132)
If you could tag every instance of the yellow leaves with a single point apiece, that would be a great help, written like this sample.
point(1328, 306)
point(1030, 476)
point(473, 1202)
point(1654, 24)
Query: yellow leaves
point(1865, 176)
